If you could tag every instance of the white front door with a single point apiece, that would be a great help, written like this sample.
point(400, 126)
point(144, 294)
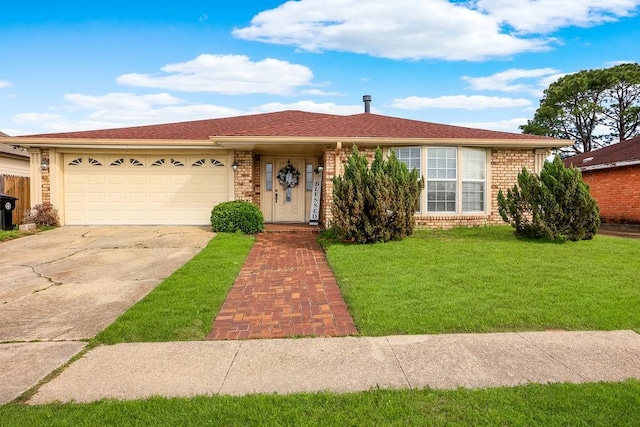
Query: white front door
point(289, 190)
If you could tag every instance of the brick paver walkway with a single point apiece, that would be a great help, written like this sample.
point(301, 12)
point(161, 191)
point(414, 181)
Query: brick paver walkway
point(285, 288)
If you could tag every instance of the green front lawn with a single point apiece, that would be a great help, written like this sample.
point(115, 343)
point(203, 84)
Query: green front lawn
point(13, 234)
point(599, 404)
point(485, 280)
point(183, 306)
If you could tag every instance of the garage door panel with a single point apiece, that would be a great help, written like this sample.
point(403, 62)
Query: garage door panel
point(157, 197)
point(156, 179)
point(96, 198)
point(116, 197)
point(152, 189)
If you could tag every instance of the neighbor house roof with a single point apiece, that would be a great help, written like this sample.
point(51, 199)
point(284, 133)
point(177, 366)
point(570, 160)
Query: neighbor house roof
point(288, 125)
point(624, 153)
point(11, 150)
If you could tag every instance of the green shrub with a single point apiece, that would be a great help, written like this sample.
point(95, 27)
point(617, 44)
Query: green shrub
point(44, 215)
point(237, 215)
point(375, 204)
point(557, 205)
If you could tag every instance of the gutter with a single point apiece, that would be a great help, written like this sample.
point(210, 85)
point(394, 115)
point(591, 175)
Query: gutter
point(609, 165)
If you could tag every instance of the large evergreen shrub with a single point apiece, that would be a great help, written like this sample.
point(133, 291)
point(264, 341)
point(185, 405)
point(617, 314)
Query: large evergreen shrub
point(556, 205)
point(237, 215)
point(375, 204)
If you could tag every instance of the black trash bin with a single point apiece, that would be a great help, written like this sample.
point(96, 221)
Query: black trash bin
point(7, 205)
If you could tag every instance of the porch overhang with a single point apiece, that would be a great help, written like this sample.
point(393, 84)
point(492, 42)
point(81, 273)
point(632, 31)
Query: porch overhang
point(269, 143)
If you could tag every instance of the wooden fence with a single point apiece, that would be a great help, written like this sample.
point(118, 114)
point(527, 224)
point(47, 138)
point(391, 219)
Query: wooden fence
point(17, 186)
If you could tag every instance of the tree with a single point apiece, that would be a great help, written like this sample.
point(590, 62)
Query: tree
point(579, 106)
point(621, 112)
point(375, 204)
point(556, 205)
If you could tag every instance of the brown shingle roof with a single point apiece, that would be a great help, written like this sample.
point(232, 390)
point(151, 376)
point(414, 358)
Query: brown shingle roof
point(195, 130)
point(293, 123)
point(625, 151)
point(13, 151)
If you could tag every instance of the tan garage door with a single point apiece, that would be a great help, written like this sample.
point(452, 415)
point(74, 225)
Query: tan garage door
point(143, 189)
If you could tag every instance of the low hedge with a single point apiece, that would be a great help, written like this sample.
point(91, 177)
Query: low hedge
point(237, 215)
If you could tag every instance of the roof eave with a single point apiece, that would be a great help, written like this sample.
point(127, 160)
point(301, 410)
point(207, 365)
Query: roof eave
point(239, 142)
point(27, 142)
point(609, 165)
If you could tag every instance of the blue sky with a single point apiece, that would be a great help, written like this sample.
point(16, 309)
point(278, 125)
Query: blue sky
point(74, 65)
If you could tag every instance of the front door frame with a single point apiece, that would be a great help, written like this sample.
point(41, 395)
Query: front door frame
point(272, 210)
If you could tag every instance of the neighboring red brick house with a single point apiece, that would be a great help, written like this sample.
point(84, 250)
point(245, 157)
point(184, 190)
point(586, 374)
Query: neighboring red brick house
point(175, 173)
point(613, 175)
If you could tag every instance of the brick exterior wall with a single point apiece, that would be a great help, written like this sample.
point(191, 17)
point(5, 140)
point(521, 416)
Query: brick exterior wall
point(617, 191)
point(244, 177)
point(505, 166)
point(256, 179)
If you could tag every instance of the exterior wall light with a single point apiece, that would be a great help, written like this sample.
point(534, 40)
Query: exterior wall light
point(319, 169)
point(234, 165)
point(44, 164)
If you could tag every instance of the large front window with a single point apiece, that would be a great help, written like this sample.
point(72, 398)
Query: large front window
point(455, 179)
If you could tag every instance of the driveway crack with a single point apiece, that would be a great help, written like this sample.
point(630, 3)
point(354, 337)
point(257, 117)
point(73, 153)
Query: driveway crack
point(52, 282)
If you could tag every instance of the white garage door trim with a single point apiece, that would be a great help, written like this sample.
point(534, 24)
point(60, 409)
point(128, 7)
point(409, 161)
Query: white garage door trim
point(132, 189)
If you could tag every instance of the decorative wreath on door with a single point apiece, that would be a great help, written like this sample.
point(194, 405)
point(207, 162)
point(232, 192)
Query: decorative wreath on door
point(288, 176)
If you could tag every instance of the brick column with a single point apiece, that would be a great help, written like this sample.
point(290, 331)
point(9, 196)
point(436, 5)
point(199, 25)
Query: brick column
point(244, 176)
point(334, 160)
point(46, 178)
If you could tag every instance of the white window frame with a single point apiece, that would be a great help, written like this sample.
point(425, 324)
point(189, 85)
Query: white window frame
point(446, 179)
point(466, 161)
point(406, 160)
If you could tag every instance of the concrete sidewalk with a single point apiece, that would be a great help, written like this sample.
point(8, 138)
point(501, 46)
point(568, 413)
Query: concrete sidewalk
point(349, 364)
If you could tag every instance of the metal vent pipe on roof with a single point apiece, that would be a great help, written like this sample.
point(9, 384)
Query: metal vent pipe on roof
point(367, 103)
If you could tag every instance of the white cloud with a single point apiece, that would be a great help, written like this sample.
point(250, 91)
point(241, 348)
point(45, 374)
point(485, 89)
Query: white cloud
point(610, 64)
point(226, 74)
point(120, 101)
point(546, 16)
point(120, 110)
point(400, 29)
point(314, 107)
point(34, 117)
point(510, 125)
point(533, 81)
point(421, 29)
point(503, 81)
point(318, 92)
point(164, 114)
point(5, 84)
point(462, 102)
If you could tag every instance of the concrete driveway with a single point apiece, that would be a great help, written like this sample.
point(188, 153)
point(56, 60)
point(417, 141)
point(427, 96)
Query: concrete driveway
point(65, 285)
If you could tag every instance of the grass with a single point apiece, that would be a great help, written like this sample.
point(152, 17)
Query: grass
point(6, 235)
point(597, 404)
point(485, 280)
point(182, 307)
